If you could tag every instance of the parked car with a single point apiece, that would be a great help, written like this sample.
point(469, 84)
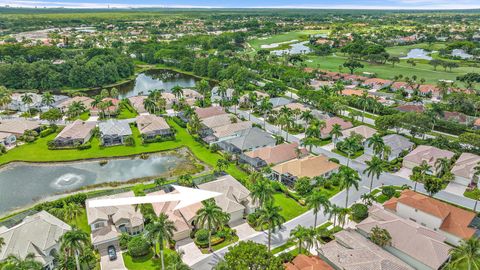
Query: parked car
point(112, 253)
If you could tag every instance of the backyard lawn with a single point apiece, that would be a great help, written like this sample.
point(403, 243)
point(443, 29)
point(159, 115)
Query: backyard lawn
point(148, 262)
point(81, 222)
point(39, 152)
point(290, 208)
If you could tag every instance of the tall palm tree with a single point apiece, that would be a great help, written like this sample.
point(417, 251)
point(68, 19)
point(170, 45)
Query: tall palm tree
point(307, 117)
point(442, 166)
point(285, 122)
point(349, 178)
point(301, 235)
point(468, 253)
point(262, 192)
point(73, 243)
point(75, 109)
point(476, 171)
point(265, 107)
point(270, 216)
point(27, 100)
point(150, 105)
point(351, 146)
point(374, 169)
point(377, 144)
point(13, 262)
point(316, 201)
point(342, 216)
point(211, 217)
point(335, 133)
point(177, 91)
point(5, 96)
point(424, 169)
point(48, 99)
point(333, 212)
point(159, 231)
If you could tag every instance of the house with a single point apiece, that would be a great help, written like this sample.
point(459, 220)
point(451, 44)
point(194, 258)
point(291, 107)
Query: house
point(352, 92)
point(396, 86)
point(65, 104)
point(279, 101)
point(476, 124)
point(416, 245)
point(16, 104)
point(76, 133)
point(352, 251)
point(304, 262)
point(209, 112)
point(169, 98)
point(310, 166)
point(108, 223)
point(137, 103)
point(376, 83)
point(218, 120)
point(453, 222)
point(228, 131)
point(418, 108)
point(247, 140)
point(429, 89)
point(294, 106)
point(464, 168)
point(365, 131)
point(111, 110)
point(182, 218)
point(7, 139)
point(235, 199)
point(317, 84)
point(38, 234)
point(18, 126)
point(264, 156)
point(397, 143)
point(245, 97)
point(216, 96)
point(151, 126)
point(330, 122)
point(191, 96)
point(427, 153)
point(114, 132)
point(455, 117)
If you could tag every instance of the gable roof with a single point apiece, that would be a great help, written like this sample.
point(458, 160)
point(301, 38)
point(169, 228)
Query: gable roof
point(218, 120)
point(209, 111)
point(310, 166)
point(233, 193)
point(252, 138)
point(465, 165)
point(365, 131)
point(151, 123)
point(427, 153)
point(397, 142)
point(279, 101)
point(77, 130)
point(330, 122)
point(231, 129)
point(421, 243)
point(18, 126)
point(352, 251)
point(277, 154)
point(35, 234)
point(115, 127)
point(456, 221)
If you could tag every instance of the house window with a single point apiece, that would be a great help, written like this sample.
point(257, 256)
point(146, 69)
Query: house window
point(413, 220)
point(98, 225)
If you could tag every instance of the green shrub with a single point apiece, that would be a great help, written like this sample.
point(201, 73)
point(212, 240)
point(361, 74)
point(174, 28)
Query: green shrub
point(129, 141)
point(388, 191)
point(201, 235)
point(252, 218)
point(138, 247)
point(286, 257)
point(359, 212)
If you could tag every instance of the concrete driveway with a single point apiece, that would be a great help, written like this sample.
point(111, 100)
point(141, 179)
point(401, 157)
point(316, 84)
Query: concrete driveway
point(404, 172)
point(191, 254)
point(244, 230)
point(456, 188)
point(106, 264)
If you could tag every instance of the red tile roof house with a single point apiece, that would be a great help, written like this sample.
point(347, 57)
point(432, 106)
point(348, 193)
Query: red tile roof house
point(426, 89)
point(330, 122)
point(376, 83)
point(265, 156)
point(411, 108)
point(453, 222)
point(400, 86)
point(456, 117)
point(476, 123)
point(112, 110)
point(427, 153)
point(304, 262)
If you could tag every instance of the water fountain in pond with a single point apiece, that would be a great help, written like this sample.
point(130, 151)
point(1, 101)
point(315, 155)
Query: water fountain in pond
point(67, 181)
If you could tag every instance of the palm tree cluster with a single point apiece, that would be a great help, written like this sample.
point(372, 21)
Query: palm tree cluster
point(5, 96)
point(155, 103)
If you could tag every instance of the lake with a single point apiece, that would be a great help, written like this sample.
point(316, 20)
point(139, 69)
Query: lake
point(21, 184)
point(295, 48)
point(418, 54)
point(155, 79)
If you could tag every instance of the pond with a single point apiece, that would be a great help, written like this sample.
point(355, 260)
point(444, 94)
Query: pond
point(418, 54)
point(461, 53)
point(21, 184)
point(295, 48)
point(155, 79)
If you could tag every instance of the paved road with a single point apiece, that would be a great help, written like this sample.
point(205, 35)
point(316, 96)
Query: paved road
point(307, 219)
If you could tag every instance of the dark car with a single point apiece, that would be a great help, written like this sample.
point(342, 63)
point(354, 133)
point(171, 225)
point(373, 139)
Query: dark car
point(112, 253)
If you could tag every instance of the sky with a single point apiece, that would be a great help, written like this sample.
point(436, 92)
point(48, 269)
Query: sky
point(319, 4)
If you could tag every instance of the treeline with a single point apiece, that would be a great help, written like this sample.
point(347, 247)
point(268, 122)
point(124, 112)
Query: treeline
point(93, 68)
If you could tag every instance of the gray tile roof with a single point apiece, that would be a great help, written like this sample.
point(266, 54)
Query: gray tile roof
point(279, 101)
point(397, 142)
point(115, 127)
point(252, 138)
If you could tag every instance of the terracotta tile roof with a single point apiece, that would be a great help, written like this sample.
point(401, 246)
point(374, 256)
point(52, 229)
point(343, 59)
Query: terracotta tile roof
point(428, 88)
point(304, 262)
point(277, 154)
point(209, 112)
point(477, 122)
point(376, 81)
point(352, 92)
point(330, 122)
point(310, 166)
point(365, 131)
point(455, 116)
point(86, 101)
point(411, 108)
point(399, 85)
point(456, 221)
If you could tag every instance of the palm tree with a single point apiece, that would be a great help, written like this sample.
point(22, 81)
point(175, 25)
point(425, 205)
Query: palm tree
point(285, 122)
point(270, 216)
point(48, 99)
point(476, 171)
point(342, 216)
point(27, 100)
point(73, 243)
point(211, 217)
point(75, 109)
point(309, 142)
point(468, 253)
point(177, 91)
point(13, 262)
point(351, 146)
point(442, 166)
point(424, 169)
point(333, 212)
point(194, 124)
point(316, 201)
point(377, 143)
point(2, 243)
point(159, 231)
point(252, 101)
point(380, 236)
point(265, 107)
point(262, 192)
point(374, 169)
point(114, 92)
point(349, 178)
point(5, 96)
point(300, 235)
point(307, 116)
point(387, 150)
point(335, 133)
point(175, 262)
point(367, 198)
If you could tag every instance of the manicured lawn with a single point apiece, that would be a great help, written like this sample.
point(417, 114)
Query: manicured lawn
point(39, 152)
point(147, 262)
point(354, 156)
point(290, 208)
point(298, 35)
point(283, 247)
point(421, 70)
point(221, 245)
point(127, 112)
point(81, 222)
point(400, 51)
